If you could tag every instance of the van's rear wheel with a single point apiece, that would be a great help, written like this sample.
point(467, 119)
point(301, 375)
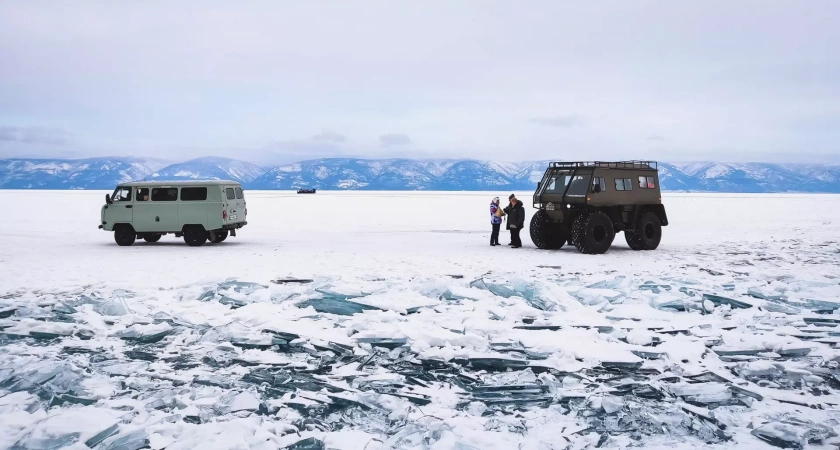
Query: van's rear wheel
point(124, 235)
point(154, 237)
point(646, 233)
point(195, 236)
point(594, 233)
point(544, 234)
point(220, 236)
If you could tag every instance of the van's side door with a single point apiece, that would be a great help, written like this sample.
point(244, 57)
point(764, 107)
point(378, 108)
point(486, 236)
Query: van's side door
point(160, 213)
point(193, 207)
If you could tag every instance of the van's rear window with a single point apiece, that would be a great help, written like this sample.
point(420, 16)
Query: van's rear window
point(239, 194)
point(164, 194)
point(192, 194)
point(230, 194)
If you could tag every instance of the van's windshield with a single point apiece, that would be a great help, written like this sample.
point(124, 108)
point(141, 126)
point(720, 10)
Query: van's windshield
point(121, 194)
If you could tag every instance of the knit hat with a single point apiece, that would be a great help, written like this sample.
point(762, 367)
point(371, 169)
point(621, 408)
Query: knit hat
point(495, 199)
point(511, 196)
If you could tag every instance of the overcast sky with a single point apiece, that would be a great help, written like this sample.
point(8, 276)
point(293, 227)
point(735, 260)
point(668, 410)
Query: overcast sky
point(279, 81)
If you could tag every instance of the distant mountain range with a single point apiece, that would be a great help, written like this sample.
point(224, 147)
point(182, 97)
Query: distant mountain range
point(399, 174)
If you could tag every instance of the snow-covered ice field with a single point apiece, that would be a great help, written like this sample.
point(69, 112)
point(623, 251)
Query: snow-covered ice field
point(415, 333)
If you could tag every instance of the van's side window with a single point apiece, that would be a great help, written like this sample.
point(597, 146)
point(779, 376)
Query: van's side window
point(239, 194)
point(142, 195)
point(230, 194)
point(164, 194)
point(193, 194)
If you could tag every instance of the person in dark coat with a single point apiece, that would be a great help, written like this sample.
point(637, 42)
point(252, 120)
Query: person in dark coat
point(495, 220)
point(516, 220)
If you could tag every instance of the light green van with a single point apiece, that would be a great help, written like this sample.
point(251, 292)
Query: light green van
point(197, 210)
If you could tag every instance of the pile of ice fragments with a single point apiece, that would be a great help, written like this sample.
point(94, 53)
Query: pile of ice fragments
point(496, 361)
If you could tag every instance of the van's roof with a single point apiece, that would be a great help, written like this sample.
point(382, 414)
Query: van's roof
point(181, 183)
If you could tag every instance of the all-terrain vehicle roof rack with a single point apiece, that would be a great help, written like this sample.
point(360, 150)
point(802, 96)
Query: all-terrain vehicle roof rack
point(605, 164)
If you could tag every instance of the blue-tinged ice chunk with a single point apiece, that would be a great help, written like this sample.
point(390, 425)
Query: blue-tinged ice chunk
point(116, 306)
point(793, 433)
point(615, 283)
point(213, 380)
point(124, 369)
point(824, 305)
point(674, 304)
point(146, 333)
point(307, 444)
point(336, 305)
point(87, 425)
point(753, 292)
point(719, 301)
point(779, 307)
point(242, 287)
point(123, 293)
point(7, 311)
point(135, 440)
point(35, 376)
point(237, 401)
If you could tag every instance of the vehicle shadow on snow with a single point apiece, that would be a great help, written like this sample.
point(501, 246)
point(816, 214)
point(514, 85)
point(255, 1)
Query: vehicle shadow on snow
point(179, 244)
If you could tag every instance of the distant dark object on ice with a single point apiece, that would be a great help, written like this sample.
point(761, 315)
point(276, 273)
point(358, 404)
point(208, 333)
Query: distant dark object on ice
point(306, 191)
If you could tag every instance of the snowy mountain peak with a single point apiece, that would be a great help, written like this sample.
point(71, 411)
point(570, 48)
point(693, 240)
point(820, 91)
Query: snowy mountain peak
point(399, 174)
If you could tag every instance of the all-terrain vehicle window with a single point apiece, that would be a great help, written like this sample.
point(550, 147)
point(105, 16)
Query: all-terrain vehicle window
point(164, 194)
point(239, 194)
point(142, 195)
point(578, 185)
point(623, 184)
point(230, 194)
point(193, 194)
point(601, 183)
point(646, 183)
point(121, 195)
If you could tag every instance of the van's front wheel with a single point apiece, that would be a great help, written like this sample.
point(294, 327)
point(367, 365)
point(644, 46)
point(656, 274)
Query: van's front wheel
point(124, 235)
point(195, 236)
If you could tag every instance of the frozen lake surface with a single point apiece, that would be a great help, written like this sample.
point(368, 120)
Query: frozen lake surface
point(410, 331)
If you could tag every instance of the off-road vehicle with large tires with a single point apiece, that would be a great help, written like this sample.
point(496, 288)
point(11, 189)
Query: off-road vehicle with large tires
point(587, 203)
point(200, 211)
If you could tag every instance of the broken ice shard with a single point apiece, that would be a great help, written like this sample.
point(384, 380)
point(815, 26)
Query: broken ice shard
point(390, 343)
point(719, 301)
point(146, 334)
point(242, 287)
point(515, 288)
point(822, 321)
point(337, 305)
point(113, 307)
point(213, 380)
point(7, 311)
point(135, 440)
point(824, 305)
point(752, 292)
point(88, 425)
point(492, 364)
point(238, 401)
point(306, 444)
point(793, 433)
point(516, 394)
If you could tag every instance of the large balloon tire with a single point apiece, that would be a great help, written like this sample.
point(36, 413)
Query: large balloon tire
point(544, 234)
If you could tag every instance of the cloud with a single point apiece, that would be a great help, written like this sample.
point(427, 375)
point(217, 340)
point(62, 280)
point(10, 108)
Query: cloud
point(394, 139)
point(34, 135)
point(558, 122)
point(655, 137)
point(329, 136)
